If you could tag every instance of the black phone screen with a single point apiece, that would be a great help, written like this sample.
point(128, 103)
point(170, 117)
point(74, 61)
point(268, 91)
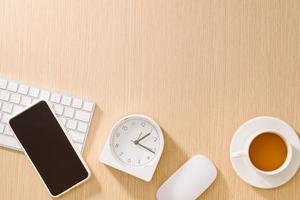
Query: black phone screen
point(48, 148)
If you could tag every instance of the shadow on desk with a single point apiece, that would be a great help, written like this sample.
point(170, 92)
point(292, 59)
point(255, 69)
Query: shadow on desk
point(218, 190)
point(172, 158)
point(92, 185)
point(282, 192)
point(96, 120)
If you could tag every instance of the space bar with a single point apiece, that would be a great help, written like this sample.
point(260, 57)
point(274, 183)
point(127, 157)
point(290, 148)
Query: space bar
point(10, 142)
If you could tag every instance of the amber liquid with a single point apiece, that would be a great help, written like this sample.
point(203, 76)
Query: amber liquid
point(268, 151)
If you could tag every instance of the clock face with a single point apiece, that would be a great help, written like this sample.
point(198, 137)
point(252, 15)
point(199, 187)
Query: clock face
point(135, 141)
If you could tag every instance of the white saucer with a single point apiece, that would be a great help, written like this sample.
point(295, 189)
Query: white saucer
point(240, 165)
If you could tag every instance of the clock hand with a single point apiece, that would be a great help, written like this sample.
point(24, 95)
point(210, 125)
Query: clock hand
point(139, 136)
point(134, 141)
point(145, 147)
point(138, 140)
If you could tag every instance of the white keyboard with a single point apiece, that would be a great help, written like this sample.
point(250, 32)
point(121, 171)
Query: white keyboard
point(74, 113)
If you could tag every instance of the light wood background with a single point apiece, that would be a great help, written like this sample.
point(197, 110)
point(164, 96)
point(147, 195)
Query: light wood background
point(199, 68)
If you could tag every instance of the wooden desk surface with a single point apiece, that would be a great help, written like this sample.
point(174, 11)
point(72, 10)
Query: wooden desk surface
point(199, 68)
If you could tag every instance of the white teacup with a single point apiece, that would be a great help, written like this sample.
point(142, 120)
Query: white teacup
point(245, 153)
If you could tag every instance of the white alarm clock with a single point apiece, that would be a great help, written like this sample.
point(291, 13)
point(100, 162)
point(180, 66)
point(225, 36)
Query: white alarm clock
point(134, 146)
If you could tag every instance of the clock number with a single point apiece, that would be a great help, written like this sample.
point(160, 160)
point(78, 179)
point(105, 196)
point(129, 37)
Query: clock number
point(124, 128)
point(117, 134)
point(155, 139)
point(143, 124)
point(117, 145)
point(129, 160)
point(139, 161)
point(154, 149)
point(121, 154)
point(148, 157)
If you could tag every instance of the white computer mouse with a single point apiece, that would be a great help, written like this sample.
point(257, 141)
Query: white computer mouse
point(189, 181)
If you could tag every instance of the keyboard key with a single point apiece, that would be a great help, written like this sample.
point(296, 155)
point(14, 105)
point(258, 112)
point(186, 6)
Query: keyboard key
point(3, 83)
point(64, 120)
point(71, 124)
point(69, 112)
point(79, 146)
point(45, 95)
point(12, 86)
point(7, 107)
point(88, 106)
point(25, 101)
point(16, 109)
point(76, 136)
point(15, 98)
point(77, 103)
point(34, 92)
point(82, 115)
point(55, 97)
point(7, 131)
point(2, 127)
point(23, 89)
point(5, 118)
point(34, 100)
point(66, 100)
point(4, 95)
point(58, 109)
point(82, 127)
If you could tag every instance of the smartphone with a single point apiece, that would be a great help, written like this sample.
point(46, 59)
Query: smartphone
point(49, 148)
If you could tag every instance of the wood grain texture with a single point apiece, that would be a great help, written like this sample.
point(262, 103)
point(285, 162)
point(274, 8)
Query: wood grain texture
point(199, 68)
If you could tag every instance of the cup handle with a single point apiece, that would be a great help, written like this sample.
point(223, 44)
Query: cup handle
point(238, 154)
